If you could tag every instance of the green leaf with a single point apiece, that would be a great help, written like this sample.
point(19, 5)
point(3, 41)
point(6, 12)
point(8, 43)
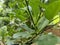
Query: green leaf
point(55, 20)
point(25, 27)
point(9, 42)
point(35, 9)
point(4, 18)
point(43, 22)
point(3, 31)
point(22, 35)
point(35, 6)
point(46, 40)
point(52, 10)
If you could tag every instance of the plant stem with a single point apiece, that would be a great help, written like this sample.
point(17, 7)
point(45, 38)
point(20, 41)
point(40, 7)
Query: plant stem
point(34, 36)
point(30, 13)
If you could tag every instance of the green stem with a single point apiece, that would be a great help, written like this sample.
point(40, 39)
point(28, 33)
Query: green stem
point(34, 36)
point(30, 13)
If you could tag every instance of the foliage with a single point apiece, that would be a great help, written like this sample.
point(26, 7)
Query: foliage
point(21, 21)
